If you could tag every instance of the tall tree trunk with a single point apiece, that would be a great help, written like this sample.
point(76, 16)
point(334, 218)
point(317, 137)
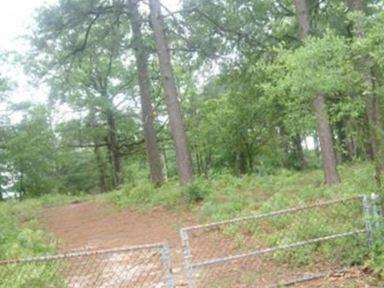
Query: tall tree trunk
point(165, 161)
point(102, 171)
point(183, 158)
point(100, 163)
point(351, 147)
point(115, 149)
point(153, 154)
point(303, 18)
point(241, 163)
point(342, 141)
point(250, 155)
point(326, 141)
point(323, 126)
point(316, 145)
point(198, 160)
point(299, 152)
point(372, 104)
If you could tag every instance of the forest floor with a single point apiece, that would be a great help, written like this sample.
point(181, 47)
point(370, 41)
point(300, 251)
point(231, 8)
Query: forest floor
point(93, 225)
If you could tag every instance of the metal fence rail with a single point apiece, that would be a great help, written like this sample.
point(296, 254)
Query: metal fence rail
point(280, 247)
point(138, 266)
point(268, 250)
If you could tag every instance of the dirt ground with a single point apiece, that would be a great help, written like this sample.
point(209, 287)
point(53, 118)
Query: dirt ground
point(99, 226)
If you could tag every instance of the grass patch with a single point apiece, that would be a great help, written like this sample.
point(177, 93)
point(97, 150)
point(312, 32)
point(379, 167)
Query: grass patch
point(20, 233)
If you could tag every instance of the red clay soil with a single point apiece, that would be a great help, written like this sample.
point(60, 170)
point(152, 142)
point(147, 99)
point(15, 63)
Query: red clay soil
point(98, 226)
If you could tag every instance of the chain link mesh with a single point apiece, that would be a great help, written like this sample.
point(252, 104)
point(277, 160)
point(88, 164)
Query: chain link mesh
point(279, 247)
point(140, 266)
point(268, 250)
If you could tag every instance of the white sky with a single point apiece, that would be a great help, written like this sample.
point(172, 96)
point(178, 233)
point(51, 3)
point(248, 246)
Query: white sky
point(15, 17)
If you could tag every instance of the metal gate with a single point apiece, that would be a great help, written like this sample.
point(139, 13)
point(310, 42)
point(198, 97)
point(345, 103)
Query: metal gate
point(138, 266)
point(278, 248)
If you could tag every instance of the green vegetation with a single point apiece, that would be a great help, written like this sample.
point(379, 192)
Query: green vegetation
point(226, 196)
point(254, 101)
point(237, 117)
point(20, 233)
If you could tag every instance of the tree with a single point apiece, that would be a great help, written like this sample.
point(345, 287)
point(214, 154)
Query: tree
point(5, 87)
point(147, 110)
point(372, 100)
point(183, 158)
point(323, 125)
point(78, 29)
point(85, 66)
point(32, 154)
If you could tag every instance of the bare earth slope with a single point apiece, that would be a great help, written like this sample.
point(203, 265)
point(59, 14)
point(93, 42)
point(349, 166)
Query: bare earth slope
point(94, 226)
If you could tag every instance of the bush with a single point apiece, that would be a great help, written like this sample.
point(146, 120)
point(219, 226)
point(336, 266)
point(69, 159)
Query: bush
point(196, 192)
point(22, 240)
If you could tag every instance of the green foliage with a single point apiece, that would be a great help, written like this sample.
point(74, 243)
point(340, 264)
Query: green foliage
point(16, 241)
point(143, 195)
point(376, 259)
point(20, 233)
point(32, 154)
point(196, 191)
point(322, 65)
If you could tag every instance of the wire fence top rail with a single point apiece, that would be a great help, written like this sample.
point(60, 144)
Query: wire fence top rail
point(258, 249)
point(92, 252)
point(276, 248)
point(134, 266)
point(270, 214)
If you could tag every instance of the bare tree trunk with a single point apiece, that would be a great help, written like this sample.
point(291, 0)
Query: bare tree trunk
point(326, 141)
point(102, 171)
point(316, 145)
point(165, 161)
point(183, 158)
point(153, 154)
point(302, 14)
point(115, 149)
point(323, 126)
point(100, 163)
point(342, 141)
point(299, 152)
point(372, 105)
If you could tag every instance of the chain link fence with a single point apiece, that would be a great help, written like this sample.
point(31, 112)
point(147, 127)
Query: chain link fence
point(278, 248)
point(274, 249)
point(139, 266)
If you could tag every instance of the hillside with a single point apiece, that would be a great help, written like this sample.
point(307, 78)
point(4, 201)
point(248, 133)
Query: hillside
point(140, 214)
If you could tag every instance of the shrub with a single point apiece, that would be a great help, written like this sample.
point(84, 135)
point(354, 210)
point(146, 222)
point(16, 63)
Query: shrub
point(197, 191)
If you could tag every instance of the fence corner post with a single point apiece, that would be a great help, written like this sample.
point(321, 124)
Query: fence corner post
point(187, 258)
point(166, 259)
point(367, 219)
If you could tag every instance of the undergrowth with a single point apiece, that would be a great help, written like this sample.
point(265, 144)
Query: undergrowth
point(226, 196)
point(20, 232)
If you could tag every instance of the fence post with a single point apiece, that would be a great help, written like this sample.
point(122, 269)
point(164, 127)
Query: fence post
point(368, 225)
point(187, 258)
point(375, 213)
point(377, 216)
point(166, 259)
